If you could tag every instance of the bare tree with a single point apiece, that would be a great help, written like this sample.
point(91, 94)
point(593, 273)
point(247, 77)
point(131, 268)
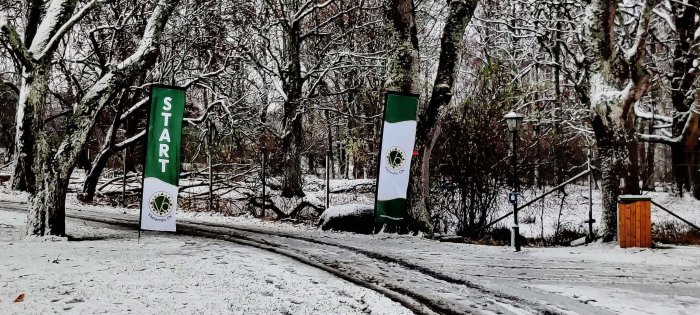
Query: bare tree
point(617, 81)
point(51, 166)
point(428, 130)
point(35, 54)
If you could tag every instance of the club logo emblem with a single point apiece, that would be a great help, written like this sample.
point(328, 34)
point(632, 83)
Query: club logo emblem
point(161, 204)
point(395, 158)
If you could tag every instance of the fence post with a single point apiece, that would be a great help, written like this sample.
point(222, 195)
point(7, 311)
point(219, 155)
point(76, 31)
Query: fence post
point(210, 206)
point(264, 166)
point(124, 170)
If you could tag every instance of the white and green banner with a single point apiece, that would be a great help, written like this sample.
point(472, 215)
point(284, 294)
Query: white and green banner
point(162, 166)
point(398, 139)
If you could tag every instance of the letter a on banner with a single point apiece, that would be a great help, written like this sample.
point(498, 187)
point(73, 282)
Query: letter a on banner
point(398, 139)
point(161, 174)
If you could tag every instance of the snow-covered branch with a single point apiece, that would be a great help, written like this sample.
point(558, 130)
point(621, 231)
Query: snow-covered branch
point(132, 139)
point(67, 26)
point(309, 7)
point(642, 113)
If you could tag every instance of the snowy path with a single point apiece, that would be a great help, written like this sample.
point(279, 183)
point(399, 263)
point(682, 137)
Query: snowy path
point(459, 278)
point(411, 287)
point(106, 271)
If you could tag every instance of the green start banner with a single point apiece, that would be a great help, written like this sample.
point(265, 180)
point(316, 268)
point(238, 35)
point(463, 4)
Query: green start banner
point(161, 174)
point(398, 139)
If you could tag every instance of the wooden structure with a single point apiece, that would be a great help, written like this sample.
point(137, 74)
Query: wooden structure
point(634, 221)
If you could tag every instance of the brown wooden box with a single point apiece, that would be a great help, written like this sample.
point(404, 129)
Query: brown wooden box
point(634, 221)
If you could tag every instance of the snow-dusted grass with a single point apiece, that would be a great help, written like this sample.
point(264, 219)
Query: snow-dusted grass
point(575, 211)
point(107, 271)
point(623, 301)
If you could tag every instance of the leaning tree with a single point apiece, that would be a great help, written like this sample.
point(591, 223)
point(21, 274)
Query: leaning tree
point(52, 161)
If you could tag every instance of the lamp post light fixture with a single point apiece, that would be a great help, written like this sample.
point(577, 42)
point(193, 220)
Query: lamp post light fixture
point(514, 122)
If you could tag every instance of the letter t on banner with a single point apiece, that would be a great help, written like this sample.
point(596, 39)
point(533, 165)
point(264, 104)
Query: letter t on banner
point(398, 140)
point(161, 174)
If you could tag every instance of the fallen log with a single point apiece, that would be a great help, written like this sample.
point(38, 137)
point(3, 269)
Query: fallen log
point(356, 218)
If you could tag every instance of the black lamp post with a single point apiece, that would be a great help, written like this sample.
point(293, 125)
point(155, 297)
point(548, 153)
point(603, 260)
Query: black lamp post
point(514, 122)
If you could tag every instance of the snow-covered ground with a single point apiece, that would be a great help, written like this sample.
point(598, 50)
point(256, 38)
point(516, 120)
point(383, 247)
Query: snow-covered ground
point(107, 271)
point(574, 211)
point(600, 278)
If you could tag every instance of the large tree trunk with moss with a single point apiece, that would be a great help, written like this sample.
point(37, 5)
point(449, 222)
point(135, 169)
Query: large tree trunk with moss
point(47, 210)
point(618, 164)
point(53, 167)
point(403, 71)
point(617, 82)
point(33, 79)
point(403, 63)
point(31, 99)
point(43, 30)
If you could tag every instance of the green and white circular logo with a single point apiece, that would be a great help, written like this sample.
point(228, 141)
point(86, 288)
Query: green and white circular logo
point(161, 204)
point(395, 158)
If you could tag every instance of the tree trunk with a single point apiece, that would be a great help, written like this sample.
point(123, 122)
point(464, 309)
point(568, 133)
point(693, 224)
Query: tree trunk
point(35, 10)
point(93, 176)
point(684, 155)
point(642, 153)
point(679, 167)
point(53, 168)
point(292, 139)
point(649, 173)
point(35, 53)
point(692, 153)
point(403, 75)
point(29, 108)
point(29, 112)
point(47, 207)
point(403, 62)
point(612, 94)
point(22, 175)
point(618, 174)
point(696, 175)
point(100, 161)
point(684, 77)
point(460, 13)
